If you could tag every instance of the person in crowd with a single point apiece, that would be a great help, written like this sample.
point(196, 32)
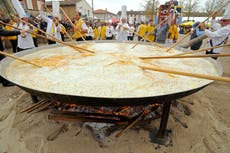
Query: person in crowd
point(131, 32)
point(32, 20)
point(1, 27)
point(25, 40)
point(173, 33)
point(122, 30)
point(66, 24)
point(95, 31)
point(4, 32)
point(197, 32)
point(103, 31)
point(80, 29)
point(89, 34)
point(141, 31)
point(34, 36)
point(162, 32)
point(150, 32)
point(221, 31)
point(63, 32)
point(53, 27)
point(13, 39)
point(109, 31)
point(99, 27)
point(43, 25)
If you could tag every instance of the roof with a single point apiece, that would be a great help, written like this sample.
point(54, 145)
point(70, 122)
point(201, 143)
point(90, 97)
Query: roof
point(101, 11)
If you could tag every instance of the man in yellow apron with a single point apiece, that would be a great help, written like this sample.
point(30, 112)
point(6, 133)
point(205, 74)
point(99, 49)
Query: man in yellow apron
point(80, 29)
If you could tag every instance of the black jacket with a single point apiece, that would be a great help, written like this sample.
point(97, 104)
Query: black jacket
point(9, 33)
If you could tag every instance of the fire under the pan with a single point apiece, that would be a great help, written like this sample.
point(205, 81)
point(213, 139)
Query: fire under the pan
point(103, 120)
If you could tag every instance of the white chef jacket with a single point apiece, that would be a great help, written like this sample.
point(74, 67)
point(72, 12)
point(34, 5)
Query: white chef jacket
point(27, 41)
point(218, 36)
point(121, 33)
point(109, 31)
point(56, 31)
point(132, 29)
point(90, 32)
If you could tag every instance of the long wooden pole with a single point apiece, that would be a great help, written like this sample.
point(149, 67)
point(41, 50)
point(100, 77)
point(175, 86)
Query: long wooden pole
point(34, 105)
point(154, 43)
point(191, 56)
point(188, 56)
point(200, 50)
point(183, 38)
point(51, 37)
point(130, 125)
point(202, 76)
point(61, 42)
point(143, 38)
point(19, 59)
point(193, 41)
point(68, 35)
point(31, 25)
point(73, 25)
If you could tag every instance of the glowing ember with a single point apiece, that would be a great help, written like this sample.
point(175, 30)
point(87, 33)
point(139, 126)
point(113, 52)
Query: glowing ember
point(126, 111)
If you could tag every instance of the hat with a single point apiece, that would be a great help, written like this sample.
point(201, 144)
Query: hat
point(226, 15)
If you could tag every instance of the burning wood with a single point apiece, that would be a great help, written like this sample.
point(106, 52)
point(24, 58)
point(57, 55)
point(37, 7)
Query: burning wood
point(99, 119)
point(125, 111)
point(79, 118)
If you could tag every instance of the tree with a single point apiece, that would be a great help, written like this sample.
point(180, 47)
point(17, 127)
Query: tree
point(189, 6)
point(182, 2)
point(150, 8)
point(214, 5)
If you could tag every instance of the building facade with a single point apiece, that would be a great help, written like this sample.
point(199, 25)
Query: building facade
point(85, 9)
point(72, 6)
point(30, 6)
point(105, 15)
point(134, 17)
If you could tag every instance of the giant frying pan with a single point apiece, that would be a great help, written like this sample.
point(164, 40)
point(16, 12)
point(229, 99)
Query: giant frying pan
point(97, 100)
